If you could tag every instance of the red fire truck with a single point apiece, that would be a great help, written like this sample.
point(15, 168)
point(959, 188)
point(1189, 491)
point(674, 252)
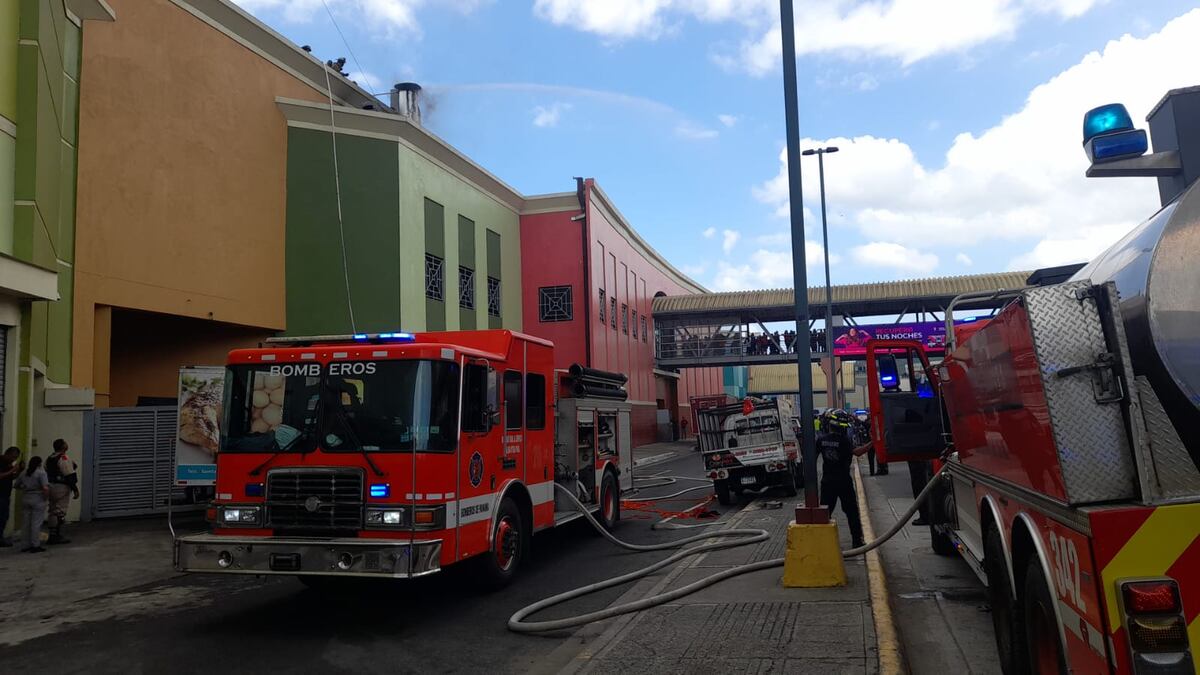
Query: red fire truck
point(395, 455)
point(1069, 426)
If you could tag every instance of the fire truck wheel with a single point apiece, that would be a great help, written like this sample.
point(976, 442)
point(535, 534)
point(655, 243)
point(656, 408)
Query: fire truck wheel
point(1007, 622)
point(1045, 650)
point(610, 501)
point(942, 543)
point(500, 564)
point(724, 497)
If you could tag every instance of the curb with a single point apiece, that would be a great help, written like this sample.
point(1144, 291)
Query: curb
point(887, 641)
point(654, 459)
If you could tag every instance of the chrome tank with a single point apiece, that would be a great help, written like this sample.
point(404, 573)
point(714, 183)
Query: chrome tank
point(1157, 271)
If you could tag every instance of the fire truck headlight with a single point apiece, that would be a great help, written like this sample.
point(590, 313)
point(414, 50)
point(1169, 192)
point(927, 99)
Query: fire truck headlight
point(240, 515)
point(386, 518)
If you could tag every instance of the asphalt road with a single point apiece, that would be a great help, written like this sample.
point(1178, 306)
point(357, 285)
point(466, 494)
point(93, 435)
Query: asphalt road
point(439, 624)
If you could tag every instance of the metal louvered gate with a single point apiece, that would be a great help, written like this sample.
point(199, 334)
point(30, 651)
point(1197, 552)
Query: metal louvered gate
point(130, 454)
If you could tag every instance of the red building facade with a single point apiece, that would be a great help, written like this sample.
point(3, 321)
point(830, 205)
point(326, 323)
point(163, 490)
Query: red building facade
point(588, 281)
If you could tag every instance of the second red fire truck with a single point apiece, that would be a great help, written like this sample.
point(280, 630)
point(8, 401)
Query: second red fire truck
point(396, 455)
point(1069, 426)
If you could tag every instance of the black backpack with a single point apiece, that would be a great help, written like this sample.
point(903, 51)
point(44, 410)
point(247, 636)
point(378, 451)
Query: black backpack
point(53, 474)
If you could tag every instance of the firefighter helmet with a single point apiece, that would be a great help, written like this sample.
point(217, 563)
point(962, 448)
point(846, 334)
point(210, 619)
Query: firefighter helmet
point(836, 418)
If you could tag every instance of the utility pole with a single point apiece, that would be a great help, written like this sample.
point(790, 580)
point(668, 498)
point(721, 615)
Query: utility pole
point(834, 387)
point(811, 512)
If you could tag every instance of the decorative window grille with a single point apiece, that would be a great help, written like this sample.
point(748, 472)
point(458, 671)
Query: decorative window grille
point(554, 304)
point(625, 319)
point(494, 296)
point(435, 284)
point(603, 304)
point(612, 311)
point(466, 287)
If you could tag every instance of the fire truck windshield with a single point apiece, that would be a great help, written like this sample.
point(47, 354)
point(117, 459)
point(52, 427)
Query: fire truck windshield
point(346, 406)
point(391, 406)
point(269, 406)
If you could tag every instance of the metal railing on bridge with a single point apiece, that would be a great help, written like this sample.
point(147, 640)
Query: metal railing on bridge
point(698, 346)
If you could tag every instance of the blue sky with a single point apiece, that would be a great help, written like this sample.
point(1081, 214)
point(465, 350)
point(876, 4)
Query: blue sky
point(958, 120)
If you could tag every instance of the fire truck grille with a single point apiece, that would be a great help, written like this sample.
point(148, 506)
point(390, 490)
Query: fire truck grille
point(315, 499)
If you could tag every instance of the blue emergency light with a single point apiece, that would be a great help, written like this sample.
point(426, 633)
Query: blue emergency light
point(380, 490)
point(860, 411)
point(401, 337)
point(1109, 135)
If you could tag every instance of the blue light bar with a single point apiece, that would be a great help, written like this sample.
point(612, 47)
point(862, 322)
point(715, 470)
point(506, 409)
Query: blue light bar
point(887, 378)
point(1119, 145)
point(1105, 120)
point(380, 490)
point(360, 336)
point(396, 336)
point(860, 411)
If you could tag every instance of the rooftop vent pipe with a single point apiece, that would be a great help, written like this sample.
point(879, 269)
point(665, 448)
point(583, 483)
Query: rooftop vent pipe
point(406, 100)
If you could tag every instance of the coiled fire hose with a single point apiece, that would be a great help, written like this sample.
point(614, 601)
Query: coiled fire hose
point(745, 536)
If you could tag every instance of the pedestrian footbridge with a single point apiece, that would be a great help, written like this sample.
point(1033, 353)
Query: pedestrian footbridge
point(728, 329)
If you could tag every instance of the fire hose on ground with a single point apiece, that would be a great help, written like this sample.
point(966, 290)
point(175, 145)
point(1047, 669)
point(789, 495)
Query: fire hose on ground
point(741, 537)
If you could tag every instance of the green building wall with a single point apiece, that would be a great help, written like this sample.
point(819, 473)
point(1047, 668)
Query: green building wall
point(397, 206)
point(40, 59)
point(42, 230)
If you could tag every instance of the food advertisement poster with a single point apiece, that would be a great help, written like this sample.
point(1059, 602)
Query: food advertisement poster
point(200, 391)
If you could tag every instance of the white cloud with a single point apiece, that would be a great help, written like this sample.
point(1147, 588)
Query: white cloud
point(694, 270)
point(769, 269)
point(710, 233)
point(964, 259)
point(694, 132)
point(895, 256)
point(904, 30)
point(727, 120)
point(548, 116)
point(383, 16)
point(369, 81)
point(729, 239)
point(1021, 180)
point(1069, 248)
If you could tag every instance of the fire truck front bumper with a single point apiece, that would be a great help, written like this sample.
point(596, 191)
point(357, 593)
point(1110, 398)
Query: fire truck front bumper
point(379, 558)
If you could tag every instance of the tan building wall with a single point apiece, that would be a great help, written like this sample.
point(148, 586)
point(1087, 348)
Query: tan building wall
point(182, 212)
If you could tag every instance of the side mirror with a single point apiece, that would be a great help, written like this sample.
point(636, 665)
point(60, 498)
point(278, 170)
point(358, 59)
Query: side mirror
point(492, 406)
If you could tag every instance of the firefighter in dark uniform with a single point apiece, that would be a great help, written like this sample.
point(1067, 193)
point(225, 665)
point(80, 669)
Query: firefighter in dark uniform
point(837, 451)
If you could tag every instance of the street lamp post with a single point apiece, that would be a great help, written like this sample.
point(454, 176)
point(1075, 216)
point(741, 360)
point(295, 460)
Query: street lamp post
point(834, 388)
point(811, 512)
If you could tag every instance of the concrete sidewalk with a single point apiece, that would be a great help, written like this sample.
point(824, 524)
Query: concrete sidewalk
point(44, 591)
point(946, 625)
point(748, 624)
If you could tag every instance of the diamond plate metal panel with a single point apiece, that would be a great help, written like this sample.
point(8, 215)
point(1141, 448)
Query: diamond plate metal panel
point(1176, 475)
point(1093, 448)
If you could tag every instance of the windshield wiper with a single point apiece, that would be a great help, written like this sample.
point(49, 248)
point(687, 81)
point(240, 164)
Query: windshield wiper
point(304, 433)
point(340, 411)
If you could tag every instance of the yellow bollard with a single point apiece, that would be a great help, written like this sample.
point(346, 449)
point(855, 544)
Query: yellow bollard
point(813, 558)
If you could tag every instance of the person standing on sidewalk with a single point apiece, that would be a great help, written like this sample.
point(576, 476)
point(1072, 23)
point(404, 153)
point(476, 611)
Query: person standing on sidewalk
point(837, 451)
point(35, 491)
point(64, 483)
point(10, 466)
